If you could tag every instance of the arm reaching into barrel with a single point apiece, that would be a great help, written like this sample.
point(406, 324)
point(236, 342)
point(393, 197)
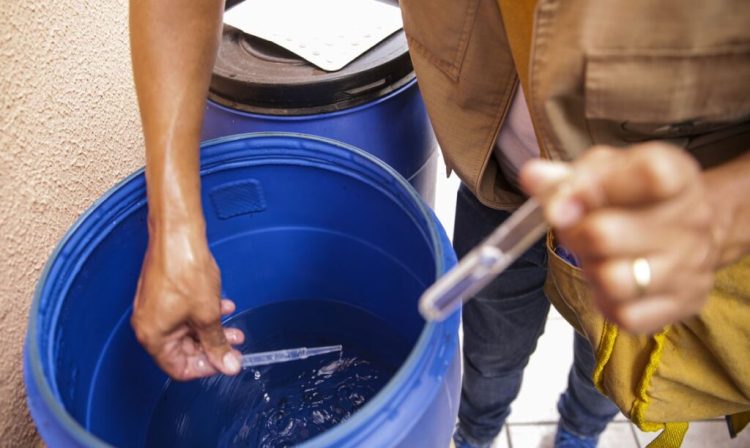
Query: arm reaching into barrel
point(177, 308)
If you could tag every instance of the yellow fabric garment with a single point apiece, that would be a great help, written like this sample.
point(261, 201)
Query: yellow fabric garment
point(692, 370)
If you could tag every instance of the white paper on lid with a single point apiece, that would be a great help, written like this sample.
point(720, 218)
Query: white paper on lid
point(328, 33)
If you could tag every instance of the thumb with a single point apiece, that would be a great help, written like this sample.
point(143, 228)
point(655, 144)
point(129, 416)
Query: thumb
point(539, 177)
point(211, 337)
point(550, 184)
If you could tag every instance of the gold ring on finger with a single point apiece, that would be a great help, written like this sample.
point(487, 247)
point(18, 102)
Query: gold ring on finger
point(641, 275)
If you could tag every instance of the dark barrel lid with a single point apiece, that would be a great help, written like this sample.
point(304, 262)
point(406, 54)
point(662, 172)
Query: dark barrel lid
point(256, 75)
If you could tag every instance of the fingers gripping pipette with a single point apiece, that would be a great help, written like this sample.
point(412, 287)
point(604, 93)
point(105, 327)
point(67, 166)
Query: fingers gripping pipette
point(290, 354)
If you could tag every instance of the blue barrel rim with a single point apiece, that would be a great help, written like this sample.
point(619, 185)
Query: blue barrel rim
point(304, 117)
point(361, 423)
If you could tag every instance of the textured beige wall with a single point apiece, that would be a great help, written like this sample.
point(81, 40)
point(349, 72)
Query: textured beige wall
point(68, 131)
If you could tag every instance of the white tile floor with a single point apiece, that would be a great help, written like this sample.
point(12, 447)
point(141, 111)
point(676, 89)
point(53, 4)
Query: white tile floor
point(534, 415)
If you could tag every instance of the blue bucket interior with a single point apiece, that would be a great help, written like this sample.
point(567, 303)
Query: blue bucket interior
point(288, 218)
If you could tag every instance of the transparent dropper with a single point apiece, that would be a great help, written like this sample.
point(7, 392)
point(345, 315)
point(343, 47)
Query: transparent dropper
point(290, 354)
point(480, 266)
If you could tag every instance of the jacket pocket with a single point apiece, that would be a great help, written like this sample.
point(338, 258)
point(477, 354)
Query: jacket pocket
point(667, 94)
point(439, 31)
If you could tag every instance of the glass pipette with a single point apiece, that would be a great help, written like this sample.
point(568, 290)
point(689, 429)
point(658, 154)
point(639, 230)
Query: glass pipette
point(480, 266)
point(290, 354)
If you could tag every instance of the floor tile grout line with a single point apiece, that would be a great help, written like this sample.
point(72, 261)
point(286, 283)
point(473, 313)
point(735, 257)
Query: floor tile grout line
point(543, 422)
point(554, 422)
point(635, 434)
point(613, 422)
point(507, 436)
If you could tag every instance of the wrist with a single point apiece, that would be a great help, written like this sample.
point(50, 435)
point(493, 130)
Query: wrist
point(168, 224)
point(174, 204)
point(179, 248)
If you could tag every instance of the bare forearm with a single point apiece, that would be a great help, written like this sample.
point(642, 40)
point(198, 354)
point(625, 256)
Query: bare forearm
point(729, 187)
point(177, 307)
point(173, 45)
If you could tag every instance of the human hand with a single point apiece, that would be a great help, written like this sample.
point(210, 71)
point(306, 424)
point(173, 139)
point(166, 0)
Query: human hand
point(177, 308)
point(615, 208)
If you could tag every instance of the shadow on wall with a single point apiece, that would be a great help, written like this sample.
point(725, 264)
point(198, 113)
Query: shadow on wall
point(69, 130)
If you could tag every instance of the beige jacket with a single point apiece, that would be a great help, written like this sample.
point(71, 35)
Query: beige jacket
point(611, 72)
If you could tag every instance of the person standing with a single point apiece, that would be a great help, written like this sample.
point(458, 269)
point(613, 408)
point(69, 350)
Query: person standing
point(625, 93)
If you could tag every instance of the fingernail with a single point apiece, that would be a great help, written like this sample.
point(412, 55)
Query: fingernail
point(231, 362)
point(565, 213)
point(200, 365)
point(547, 171)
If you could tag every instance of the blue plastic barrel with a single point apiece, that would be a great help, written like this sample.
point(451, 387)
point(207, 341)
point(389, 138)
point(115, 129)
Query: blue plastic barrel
point(395, 128)
point(373, 103)
point(288, 217)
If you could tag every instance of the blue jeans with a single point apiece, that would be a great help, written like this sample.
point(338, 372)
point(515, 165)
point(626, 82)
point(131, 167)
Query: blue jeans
point(501, 327)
